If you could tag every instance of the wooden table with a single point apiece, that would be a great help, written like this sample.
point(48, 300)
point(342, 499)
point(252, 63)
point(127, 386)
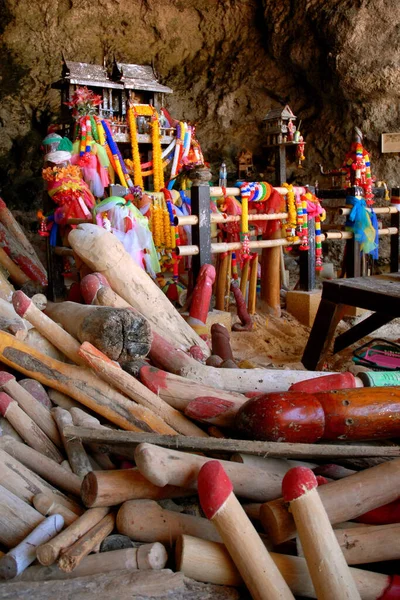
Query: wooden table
point(378, 293)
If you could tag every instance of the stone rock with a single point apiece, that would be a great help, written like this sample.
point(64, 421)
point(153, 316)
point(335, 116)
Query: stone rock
point(335, 62)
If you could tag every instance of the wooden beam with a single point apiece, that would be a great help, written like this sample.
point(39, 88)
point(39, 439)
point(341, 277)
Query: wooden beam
point(125, 585)
point(229, 445)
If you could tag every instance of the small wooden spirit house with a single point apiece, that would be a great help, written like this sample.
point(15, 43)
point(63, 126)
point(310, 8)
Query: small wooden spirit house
point(140, 87)
point(245, 164)
point(140, 83)
point(94, 77)
point(281, 133)
point(279, 125)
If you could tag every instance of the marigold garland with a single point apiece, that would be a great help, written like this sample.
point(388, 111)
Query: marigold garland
point(158, 171)
point(146, 110)
point(137, 171)
point(291, 223)
point(57, 173)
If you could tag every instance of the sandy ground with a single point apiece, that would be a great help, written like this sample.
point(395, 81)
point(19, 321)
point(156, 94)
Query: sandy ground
point(280, 342)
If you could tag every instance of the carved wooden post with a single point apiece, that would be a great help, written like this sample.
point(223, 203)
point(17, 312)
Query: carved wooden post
point(201, 233)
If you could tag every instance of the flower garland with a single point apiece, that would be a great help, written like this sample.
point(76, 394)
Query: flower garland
point(58, 173)
point(166, 156)
point(291, 222)
point(137, 171)
point(158, 171)
point(146, 110)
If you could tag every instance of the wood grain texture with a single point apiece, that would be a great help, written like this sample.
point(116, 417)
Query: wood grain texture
point(124, 585)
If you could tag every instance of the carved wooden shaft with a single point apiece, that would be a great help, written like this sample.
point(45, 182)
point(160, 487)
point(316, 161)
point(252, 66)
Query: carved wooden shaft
point(42, 465)
point(146, 521)
point(16, 231)
point(81, 384)
point(137, 391)
point(47, 327)
point(16, 274)
point(17, 253)
point(48, 553)
point(20, 557)
point(32, 407)
point(200, 402)
point(26, 484)
point(79, 417)
point(343, 500)
point(162, 466)
point(27, 428)
point(17, 518)
point(110, 488)
point(210, 562)
point(122, 334)
point(102, 252)
point(77, 457)
point(72, 557)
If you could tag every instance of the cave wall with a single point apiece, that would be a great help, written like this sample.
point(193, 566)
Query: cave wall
point(336, 62)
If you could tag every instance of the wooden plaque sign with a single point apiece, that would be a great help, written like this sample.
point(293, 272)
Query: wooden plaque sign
point(390, 142)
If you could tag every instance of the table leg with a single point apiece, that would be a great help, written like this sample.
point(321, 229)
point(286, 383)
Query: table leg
point(360, 330)
point(328, 316)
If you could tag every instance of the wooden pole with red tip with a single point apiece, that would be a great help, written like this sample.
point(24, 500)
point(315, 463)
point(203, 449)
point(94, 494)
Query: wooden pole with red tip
point(138, 392)
point(325, 560)
point(200, 402)
point(210, 562)
point(51, 330)
point(32, 407)
point(15, 231)
point(252, 299)
point(90, 285)
point(327, 383)
point(27, 428)
point(252, 559)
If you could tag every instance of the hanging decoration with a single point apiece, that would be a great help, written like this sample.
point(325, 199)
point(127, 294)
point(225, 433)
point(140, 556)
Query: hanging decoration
point(71, 194)
point(315, 211)
point(363, 223)
point(88, 151)
point(121, 217)
point(291, 223)
point(357, 166)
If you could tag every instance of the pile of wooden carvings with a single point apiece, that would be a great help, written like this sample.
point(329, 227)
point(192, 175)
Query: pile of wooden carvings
point(102, 476)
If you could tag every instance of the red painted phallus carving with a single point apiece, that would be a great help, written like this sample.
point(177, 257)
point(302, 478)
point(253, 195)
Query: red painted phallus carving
point(282, 417)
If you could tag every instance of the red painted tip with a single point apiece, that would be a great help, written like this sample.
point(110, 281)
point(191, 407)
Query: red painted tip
point(5, 377)
point(197, 353)
point(2, 204)
point(153, 378)
point(5, 401)
point(321, 480)
point(75, 294)
point(214, 487)
point(88, 352)
point(207, 407)
point(91, 284)
point(21, 303)
point(383, 515)
point(297, 482)
point(392, 592)
point(326, 383)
